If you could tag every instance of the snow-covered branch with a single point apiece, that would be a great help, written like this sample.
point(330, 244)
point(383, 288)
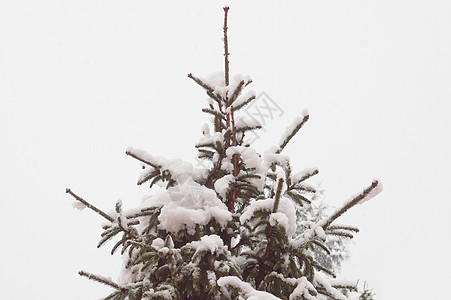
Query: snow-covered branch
point(291, 130)
point(89, 205)
point(370, 192)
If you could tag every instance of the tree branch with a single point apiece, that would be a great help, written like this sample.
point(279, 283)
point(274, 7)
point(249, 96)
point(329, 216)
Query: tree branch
point(293, 131)
point(89, 205)
point(101, 279)
point(142, 245)
point(201, 83)
point(129, 153)
point(351, 203)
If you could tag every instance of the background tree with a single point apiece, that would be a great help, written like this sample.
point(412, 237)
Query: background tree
point(226, 231)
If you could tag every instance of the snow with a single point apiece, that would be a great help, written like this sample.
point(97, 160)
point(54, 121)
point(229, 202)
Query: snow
point(206, 129)
point(210, 243)
point(211, 139)
point(211, 277)
point(303, 286)
point(240, 77)
point(250, 157)
point(186, 205)
point(298, 176)
point(215, 79)
point(319, 231)
point(302, 290)
point(278, 218)
point(164, 294)
point(289, 130)
point(236, 81)
point(242, 98)
point(280, 175)
point(341, 282)
point(222, 185)
point(158, 243)
point(265, 204)
point(286, 208)
point(271, 157)
point(245, 121)
point(373, 193)
point(199, 174)
point(227, 165)
point(315, 230)
point(245, 288)
point(175, 217)
point(78, 205)
point(179, 169)
point(145, 156)
point(325, 282)
point(221, 267)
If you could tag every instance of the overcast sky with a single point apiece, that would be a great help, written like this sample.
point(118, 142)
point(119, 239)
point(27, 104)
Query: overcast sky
point(80, 81)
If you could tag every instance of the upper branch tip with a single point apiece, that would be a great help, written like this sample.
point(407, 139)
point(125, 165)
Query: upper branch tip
point(67, 190)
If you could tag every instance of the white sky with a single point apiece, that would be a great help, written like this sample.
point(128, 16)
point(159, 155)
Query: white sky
point(80, 81)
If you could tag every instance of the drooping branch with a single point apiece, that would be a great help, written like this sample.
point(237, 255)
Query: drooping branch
point(89, 205)
point(226, 47)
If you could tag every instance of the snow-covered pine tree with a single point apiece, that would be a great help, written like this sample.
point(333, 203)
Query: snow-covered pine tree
point(227, 231)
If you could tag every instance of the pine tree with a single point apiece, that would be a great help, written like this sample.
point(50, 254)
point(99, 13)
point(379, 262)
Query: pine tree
point(226, 231)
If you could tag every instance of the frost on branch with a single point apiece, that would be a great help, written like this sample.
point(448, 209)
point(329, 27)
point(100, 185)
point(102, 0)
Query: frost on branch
point(235, 228)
